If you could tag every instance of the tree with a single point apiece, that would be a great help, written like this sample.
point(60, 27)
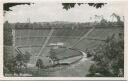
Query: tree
point(8, 5)
point(109, 58)
point(118, 18)
point(103, 22)
point(65, 5)
point(72, 5)
point(16, 64)
point(20, 62)
point(8, 60)
point(26, 57)
point(7, 34)
point(39, 64)
point(8, 66)
point(52, 55)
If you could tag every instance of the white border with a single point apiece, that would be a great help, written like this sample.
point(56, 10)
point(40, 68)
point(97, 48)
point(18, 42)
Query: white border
point(65, 78)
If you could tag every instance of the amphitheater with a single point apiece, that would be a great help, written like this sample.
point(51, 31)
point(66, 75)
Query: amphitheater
point(69, 43)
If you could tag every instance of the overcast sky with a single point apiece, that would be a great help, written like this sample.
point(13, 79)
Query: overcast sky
point(51, 11)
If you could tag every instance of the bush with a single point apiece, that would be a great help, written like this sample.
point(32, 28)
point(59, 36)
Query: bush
point(109, 57)
point(16, 65)
point(40, 64)
point(7, 34)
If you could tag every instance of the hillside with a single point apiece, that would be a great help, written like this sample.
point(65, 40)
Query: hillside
point(33, 37)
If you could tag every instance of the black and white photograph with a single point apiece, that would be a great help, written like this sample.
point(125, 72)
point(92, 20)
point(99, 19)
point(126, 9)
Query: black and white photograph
point(60, 39)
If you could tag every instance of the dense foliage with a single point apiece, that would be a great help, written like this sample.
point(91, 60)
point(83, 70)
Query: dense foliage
point(72, 5)
point(7, 34)
point(39, 64)
point(109, 58)
point(16, 64)
point(6, 6)
point(52, 55)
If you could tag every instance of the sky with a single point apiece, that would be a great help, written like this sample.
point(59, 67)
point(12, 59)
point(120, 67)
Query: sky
point(51, 11)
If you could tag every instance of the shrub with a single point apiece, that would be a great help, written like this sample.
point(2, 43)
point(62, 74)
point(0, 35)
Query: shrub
point(39, 64)
point(109, 57)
